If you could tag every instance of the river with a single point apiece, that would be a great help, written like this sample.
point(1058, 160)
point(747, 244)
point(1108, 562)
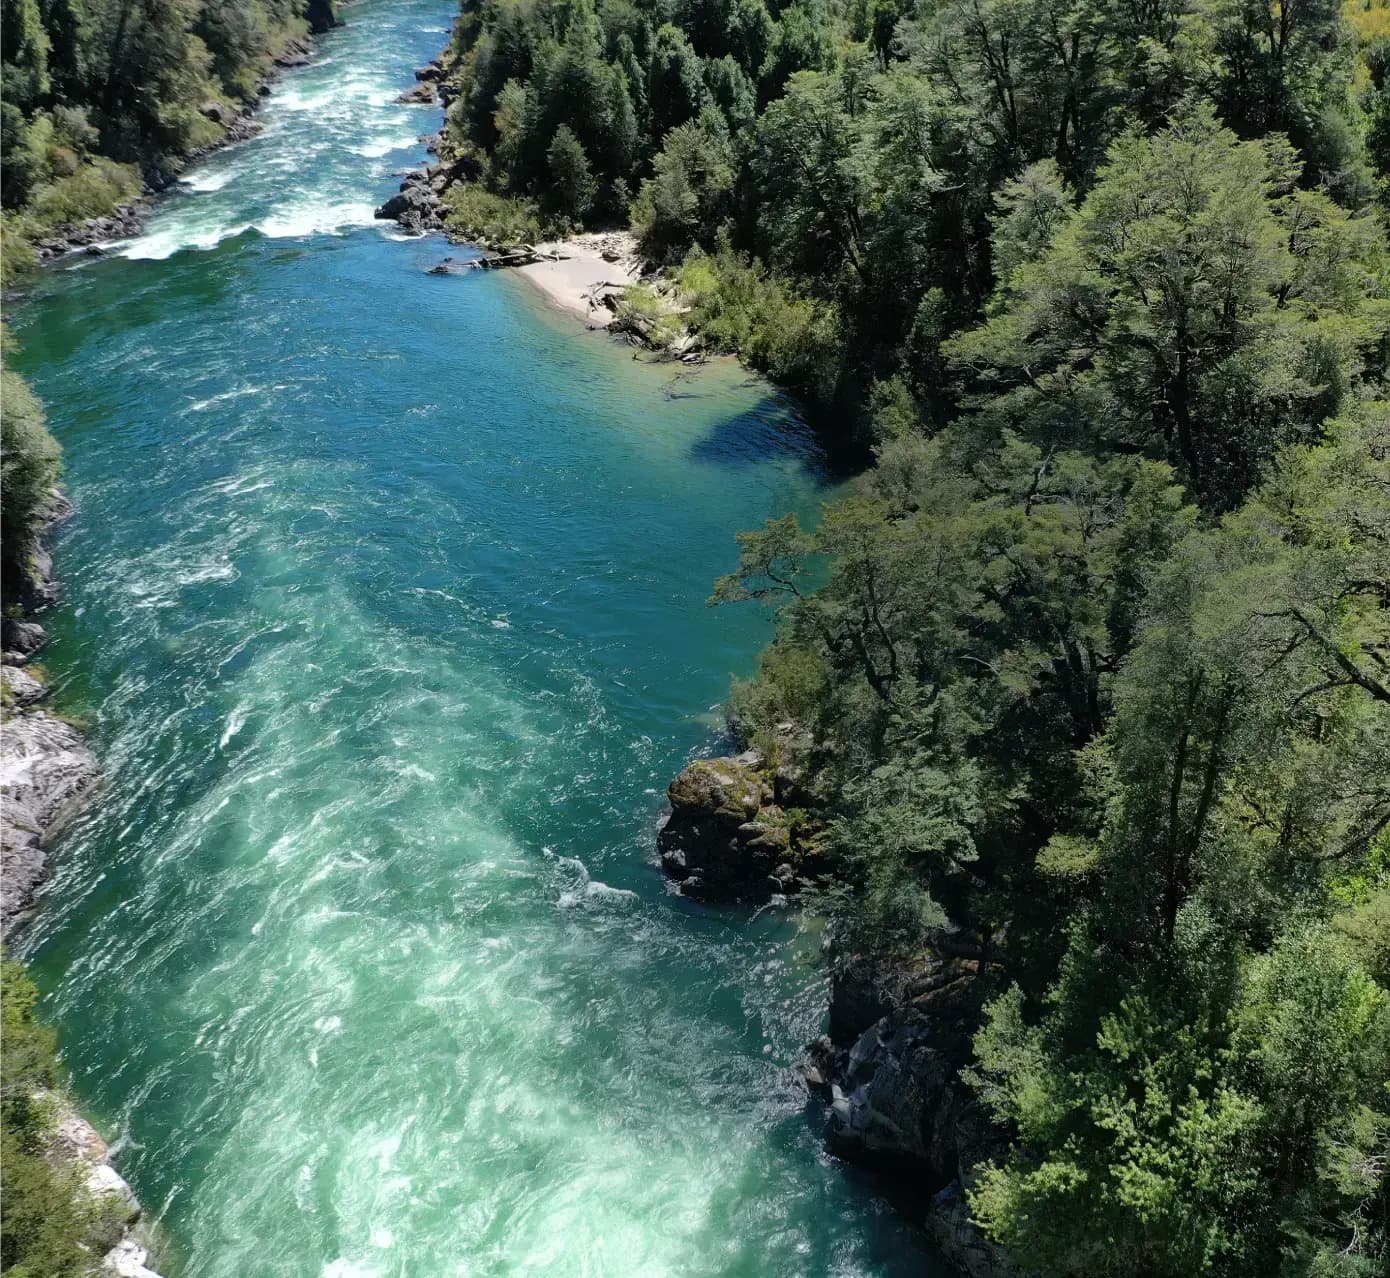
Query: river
point(385, 602)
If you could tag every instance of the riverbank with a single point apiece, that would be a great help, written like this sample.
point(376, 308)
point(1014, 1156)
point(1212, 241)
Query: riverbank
point(47, 769)
point(239, 123)
point(586, 275)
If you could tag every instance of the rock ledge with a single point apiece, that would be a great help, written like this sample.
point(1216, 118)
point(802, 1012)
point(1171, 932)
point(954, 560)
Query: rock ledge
point(733, 833)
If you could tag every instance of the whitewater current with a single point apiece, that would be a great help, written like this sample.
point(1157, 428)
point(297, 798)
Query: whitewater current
point(386, 608)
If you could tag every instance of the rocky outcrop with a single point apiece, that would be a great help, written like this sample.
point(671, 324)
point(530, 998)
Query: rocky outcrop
point(21, 639)
point(46, 769)
point(298, 52)
point(733, 833)
point(46, 772)
point(113, 1232)
point(419, 205)
point(890, 1069)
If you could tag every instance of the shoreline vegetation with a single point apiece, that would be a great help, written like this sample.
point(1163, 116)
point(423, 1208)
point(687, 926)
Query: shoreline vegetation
point(66, 1208)
point(1076, 724)
point(104, 107)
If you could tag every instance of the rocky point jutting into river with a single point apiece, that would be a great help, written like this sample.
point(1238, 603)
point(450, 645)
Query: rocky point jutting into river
point(899, 1033)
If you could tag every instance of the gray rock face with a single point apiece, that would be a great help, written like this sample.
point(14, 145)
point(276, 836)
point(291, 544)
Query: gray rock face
point(46, 770)
point(218, 112)
point(127, 1259)
point(898, 1098)
point(726, 838)
point(21, 639)
point(417, 206)
point(900, 1035)
point(19, 688)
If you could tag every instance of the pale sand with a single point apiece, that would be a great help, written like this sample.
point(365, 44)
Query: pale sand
point(579, 280)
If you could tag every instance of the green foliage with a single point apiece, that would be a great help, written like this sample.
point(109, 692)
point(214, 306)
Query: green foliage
point(1205, 1089)
point(47, 1211)
point(497, 219)
point(30, 463)
point(1195, 306)
point(649, 312)
point(94, 190)
point(740, 307)
point(572, 187)
point(689, 195)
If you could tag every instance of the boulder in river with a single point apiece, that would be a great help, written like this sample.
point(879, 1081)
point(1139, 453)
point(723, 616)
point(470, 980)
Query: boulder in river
point(416, 206)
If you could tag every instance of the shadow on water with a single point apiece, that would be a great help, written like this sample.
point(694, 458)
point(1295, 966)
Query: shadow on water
point(773, 429)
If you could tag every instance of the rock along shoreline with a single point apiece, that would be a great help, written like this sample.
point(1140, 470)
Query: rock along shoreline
point(741, 829)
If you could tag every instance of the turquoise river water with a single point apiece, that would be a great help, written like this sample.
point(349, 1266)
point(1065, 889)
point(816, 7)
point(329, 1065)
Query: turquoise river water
point(385, 600)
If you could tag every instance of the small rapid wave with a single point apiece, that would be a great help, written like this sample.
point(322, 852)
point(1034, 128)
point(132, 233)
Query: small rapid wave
point(319, 167)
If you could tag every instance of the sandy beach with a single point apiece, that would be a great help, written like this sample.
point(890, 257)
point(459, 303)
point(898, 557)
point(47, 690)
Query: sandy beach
point(582, 275)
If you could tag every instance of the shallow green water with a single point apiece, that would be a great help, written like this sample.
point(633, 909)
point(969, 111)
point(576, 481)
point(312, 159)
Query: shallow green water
point(386, 601)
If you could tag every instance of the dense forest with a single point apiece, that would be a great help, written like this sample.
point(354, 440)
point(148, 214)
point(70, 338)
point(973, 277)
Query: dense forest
point(100, 96)
point(1096, 659)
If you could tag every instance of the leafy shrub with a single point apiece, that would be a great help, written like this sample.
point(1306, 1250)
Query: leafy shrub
point(790, 687)
point(16, 252)
point(738, 305)
point(645, 311)
point(93, 190)
point(498, 219)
